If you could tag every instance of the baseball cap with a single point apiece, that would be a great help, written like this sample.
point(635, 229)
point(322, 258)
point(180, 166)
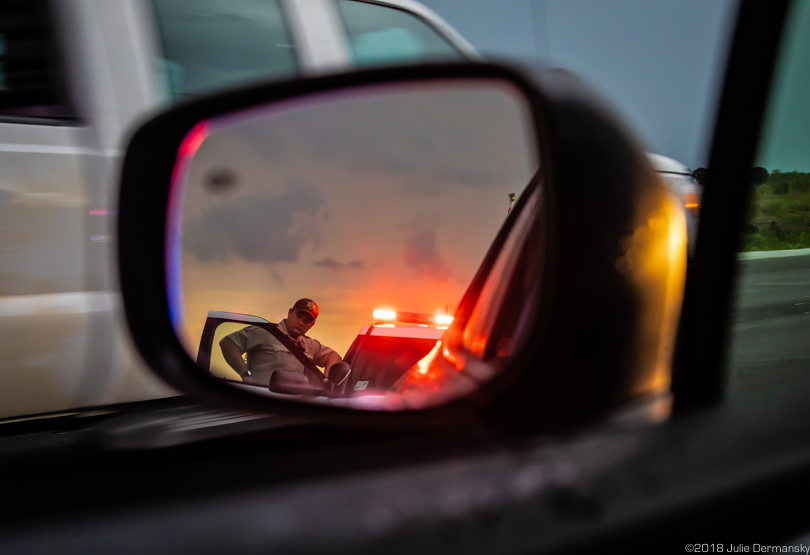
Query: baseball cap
point(307, 305)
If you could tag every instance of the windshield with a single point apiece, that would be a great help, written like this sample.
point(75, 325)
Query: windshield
point(380, 361)
point(770, 350)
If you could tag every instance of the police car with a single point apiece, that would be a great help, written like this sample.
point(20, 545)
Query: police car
point(386, 349)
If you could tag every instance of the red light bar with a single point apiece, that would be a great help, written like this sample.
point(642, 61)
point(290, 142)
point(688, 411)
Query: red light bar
point(387, 315)
point(383, 314)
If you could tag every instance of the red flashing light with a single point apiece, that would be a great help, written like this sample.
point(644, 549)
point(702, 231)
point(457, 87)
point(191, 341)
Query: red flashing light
point(425, 320)
point(384, 314)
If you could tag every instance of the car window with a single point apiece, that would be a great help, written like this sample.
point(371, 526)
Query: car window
point(32, 83)
point(218, 366)
point(382, 35)
point(772, 319)
point(216, 44)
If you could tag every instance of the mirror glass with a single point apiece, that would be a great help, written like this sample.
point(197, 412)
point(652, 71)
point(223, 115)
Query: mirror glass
point(344, 227)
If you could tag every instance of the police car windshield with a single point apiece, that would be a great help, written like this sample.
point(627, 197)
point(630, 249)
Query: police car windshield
point(381, 360)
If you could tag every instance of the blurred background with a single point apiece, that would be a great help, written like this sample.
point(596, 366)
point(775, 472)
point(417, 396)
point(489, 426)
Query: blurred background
point(658, 63)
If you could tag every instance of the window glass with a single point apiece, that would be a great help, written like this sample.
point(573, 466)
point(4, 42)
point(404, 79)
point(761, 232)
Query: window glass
point(217, 366)
point(31, 77)
point(772, 321)
point(480, 331)
point(382, 360)
point(380, 35)
point(216, 44)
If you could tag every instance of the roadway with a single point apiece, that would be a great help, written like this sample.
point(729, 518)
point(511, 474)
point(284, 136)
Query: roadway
point(771, 335)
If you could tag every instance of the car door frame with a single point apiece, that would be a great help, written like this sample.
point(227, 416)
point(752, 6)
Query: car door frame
point(699, 373)
point(212, 322)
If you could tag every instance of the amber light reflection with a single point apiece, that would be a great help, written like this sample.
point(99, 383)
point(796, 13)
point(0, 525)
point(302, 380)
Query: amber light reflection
point(655, 256)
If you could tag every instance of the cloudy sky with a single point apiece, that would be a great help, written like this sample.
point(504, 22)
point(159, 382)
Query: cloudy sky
point(787, 127)
point(658, 62)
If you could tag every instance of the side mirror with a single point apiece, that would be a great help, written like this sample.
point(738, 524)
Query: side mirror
point(385, 188)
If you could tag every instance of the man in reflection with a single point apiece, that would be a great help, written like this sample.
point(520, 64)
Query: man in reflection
point(266, 354)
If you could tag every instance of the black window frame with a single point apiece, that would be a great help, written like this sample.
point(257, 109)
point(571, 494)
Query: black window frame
point(699, 376)
point(57, 94)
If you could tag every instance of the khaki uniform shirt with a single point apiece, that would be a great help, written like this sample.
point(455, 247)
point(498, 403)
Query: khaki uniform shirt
point(266, 354)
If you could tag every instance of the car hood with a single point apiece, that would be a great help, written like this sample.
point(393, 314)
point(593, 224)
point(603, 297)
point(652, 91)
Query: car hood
point(666, 164)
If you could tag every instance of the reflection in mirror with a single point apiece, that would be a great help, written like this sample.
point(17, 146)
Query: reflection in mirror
point(497, 323)
point(320, 246)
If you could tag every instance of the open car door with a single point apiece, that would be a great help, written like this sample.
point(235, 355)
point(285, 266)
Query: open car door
point(218, 325)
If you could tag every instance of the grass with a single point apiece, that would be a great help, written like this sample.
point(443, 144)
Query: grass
point(779, 216)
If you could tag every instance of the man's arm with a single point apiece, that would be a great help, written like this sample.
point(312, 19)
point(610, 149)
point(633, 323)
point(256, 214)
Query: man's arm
point(332, 358)
point(233, 356)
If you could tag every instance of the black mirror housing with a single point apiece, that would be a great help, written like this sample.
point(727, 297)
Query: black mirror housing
point(598, 328)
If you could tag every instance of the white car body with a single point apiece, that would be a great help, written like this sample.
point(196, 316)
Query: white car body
point(680, 180)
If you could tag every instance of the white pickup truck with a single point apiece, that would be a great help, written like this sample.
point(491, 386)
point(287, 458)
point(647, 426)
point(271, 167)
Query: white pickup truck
point(76, 78)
